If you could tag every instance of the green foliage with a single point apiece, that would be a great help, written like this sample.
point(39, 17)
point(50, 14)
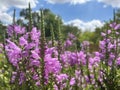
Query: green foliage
point(2, 31)
point(70, 29)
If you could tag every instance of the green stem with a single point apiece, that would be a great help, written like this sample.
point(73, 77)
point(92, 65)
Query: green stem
point(59, 41)
point(30, 18)
point(14, 16)
point(43, 41)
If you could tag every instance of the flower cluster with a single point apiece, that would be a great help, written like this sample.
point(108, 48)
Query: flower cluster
point(24, 54)
point(70, 69)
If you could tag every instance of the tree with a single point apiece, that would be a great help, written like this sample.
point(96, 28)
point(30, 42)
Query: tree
point(2, 31)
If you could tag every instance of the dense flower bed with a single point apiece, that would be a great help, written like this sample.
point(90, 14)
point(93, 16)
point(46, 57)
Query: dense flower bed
point(44, 67)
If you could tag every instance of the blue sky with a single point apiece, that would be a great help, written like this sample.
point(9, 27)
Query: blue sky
point(86, 11)
point(85, 14)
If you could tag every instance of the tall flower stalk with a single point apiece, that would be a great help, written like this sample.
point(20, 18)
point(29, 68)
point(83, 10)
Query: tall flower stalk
point(14, 16)
point(30, 17)
point(43, 46)
point(59, 40)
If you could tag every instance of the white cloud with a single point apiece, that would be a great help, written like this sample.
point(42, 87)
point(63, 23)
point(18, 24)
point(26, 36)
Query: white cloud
point(67, 1)
point(91, 25)
point(6, 18)
point(5, 5)
point(18, 3)
point(113, 3)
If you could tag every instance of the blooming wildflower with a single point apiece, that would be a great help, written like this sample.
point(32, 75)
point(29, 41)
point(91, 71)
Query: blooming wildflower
point(77, 73)
point(22, 41)
point(68, 43)
point(52, 65)
point(21, 78)
point(102, 44)
point(13, 46)
point(13, 52)
point(97, 54)
point(72, 81)
point(86, 43)
point(15, 29)
point(35, 77)
point(112, 25)
point(109, 31)
point(117, 33)
point(71, 36)
point(118, 61)
point(30, 45)
point(35, 34)
point(55, 87)
point(38, 83)
point(35, 63)
point(50, 50)
point(64, 57)
point(19, 29)
point(34, 54)
point(103, 34)
point(73, 59)
point(10, 30)
point(117, 27)
point(62, 77)
point(81, 57)
point(14, 74)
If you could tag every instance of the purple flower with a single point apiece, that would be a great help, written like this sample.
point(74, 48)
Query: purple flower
point(64, 57)
point(15, 29)
point(117, 33)
point(52, 65)
point(35, 35)
point(19, 29)
point(25, 53)
point(86, 43)
point(109, 31)
point(81, 58)
point(112, 56)
point(37, 83)
point(10, 30)
point(71, 36)
point(112, 25)
point(103, 34)
point(13, 53)
point(30, 45)
point(35, 77)
point(102, 44)
point(97, 54)
point(72, 81)
point(61, 77)
point(35, 63)
point(118, 61)
point(22, 41)
point(111, 46)
point(77, 73)
point(68, 43)
point(14, 74)
point(73, 59)
point(55, 87)
point(91, 60)
point(97, 59)
point(34, 54)
point(13, 46)
point(50, 50)
point(117, 27)
point(21, 78)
